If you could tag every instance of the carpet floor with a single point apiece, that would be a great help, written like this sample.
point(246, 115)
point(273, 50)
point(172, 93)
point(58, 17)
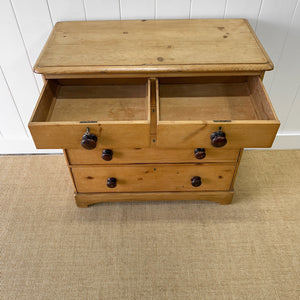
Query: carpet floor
point(50, 249)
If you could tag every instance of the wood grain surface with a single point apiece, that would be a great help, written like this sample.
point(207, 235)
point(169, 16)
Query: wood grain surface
point(153, 46)
point(119, 115)
point(84, 199)
point(153, 177)
point(150, 155)
point(188, 113)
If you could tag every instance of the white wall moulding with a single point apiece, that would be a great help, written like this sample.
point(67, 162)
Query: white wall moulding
point(16, 66)
point(287, 140)
point(166, 9)
point(137, 9)
point(71, 10)
point(102, 9)
point(10, 122)
point(238, 8)
point(273, 26)
point(293, 119)
point(208, 9)
point(285, 87)
point(22, 146)
point(34, 28)
point(25, 26)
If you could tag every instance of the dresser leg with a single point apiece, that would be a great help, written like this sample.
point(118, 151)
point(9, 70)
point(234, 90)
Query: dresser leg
point(227, 199)
point(79, 202)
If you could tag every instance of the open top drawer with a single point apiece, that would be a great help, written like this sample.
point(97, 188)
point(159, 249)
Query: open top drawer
point(231, 112)
point(116, 112)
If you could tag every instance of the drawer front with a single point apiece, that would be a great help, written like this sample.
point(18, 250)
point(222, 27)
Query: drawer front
point(150, 155)
point(110, 113)
point(232, 112)
point(154, 177)
point(237, 134)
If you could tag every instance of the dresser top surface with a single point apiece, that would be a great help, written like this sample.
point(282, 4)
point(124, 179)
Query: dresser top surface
point(152, 46)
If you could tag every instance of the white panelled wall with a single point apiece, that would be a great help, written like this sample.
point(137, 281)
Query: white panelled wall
point(25, 26)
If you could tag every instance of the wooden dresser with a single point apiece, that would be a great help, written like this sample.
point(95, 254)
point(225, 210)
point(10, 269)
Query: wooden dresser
point(153, 109)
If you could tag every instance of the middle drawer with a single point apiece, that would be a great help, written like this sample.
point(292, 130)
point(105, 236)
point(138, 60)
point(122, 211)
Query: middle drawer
point(153, 177)
point(104, 156)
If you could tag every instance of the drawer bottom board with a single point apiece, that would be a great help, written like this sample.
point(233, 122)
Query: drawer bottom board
point(84, 200)
point(153, 177)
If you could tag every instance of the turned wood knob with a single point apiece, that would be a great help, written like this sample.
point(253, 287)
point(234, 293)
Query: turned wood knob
point(111, 182)
point(200, 153)
point(196, 181)
point(89, 140)
point(107, 154)
point(218, 139)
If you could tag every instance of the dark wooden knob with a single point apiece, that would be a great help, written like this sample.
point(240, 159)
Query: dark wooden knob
point(218, 139)
point(89, 140)
point(111, 182)
point(196, 181)
point(200, 153)
point(107, 154)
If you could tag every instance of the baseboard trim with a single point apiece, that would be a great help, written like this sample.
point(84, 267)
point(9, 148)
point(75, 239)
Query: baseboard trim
point(23, 146)
point(287, 140)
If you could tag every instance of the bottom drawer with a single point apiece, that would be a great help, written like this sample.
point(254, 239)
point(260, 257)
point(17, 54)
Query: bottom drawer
point(153, 177)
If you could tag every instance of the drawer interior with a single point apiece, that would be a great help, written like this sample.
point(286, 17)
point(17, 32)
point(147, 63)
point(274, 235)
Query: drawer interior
point(86, 100)
point(213, 98)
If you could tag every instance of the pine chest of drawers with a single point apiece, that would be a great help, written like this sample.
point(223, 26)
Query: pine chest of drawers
point(153, 110)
